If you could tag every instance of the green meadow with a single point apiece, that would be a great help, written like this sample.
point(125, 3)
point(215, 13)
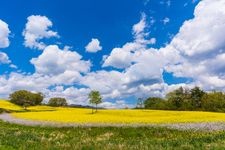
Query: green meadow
point(43, 138)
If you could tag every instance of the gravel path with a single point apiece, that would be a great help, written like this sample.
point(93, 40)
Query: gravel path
point(206, 126)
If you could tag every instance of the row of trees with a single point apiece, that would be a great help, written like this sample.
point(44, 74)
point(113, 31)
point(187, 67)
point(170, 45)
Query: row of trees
point(26, 98)
point(188, 99)
point(179, 99)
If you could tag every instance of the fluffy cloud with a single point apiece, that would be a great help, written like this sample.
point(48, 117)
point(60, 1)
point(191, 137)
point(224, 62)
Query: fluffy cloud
point(203, 34)
point(4, 34)
point(36, 29)
point(57, 67)
point(4, 59)
point(55, 61)
point(72, 94)
point(94, 46)
point(141, 74)
point(200, 46)
point(123, 57)
point(103, 81)
point(54, 67)
point(142, 68)
point(18, 81)
point(4, 42)
point(196, 52)
point(140, 34)
point(119, 85)
point(40, 83)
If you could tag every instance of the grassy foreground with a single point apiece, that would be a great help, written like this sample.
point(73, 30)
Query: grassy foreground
point(22, 137)
point(116, 138)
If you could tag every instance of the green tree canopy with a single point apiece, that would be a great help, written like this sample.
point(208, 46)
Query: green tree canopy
point(196, 97)
point(95, 98)
point(26, 98)
point(214, 101)
point(185, 99)
point(57, 101)
point(155, 103)
point(176, 97)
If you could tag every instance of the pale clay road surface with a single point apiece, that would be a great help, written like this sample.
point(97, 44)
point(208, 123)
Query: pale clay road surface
point(206, 126)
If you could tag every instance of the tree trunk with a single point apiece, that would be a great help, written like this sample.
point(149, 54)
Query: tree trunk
point(96, 108)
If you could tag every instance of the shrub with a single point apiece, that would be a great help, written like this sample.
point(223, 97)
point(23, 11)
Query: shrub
point(214, 101)
point(26, 98)
point(155, 103)
point(57, 101)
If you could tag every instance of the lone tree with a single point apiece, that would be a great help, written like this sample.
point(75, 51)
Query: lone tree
point(57, 101)
point(26, 98)
point(95, 98)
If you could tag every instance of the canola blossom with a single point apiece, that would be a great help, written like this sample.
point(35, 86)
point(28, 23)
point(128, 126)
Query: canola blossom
point(4, 104)
point(124, 116)
point(107, 116)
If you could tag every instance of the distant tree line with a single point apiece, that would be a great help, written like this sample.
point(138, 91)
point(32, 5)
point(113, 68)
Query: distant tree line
point(188, 99)
point(26, 98)
point(57, 101)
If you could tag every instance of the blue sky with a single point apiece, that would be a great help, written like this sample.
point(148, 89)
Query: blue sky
point(78, 22)
point(125, 49)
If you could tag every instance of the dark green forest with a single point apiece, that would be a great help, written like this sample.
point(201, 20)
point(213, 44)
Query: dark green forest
point(194, 99)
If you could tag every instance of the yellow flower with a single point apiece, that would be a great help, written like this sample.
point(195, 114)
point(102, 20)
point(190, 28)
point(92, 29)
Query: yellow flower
point(9, 106)
point(78, 115)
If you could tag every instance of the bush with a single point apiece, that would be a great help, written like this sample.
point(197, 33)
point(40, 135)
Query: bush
point(214, 101)
point(57, 101)
point(176, 98)
point(155, 103)
point(26, 98)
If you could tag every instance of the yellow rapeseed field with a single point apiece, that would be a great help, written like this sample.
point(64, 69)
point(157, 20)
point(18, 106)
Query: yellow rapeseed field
point(4, 104)
point(125, 116)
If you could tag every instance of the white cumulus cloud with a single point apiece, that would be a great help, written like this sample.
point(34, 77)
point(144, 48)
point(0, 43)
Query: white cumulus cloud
point(36, 29)
point(4, 34)
point(94, 46)
point(200, 46)
point(123, 57)
point(62, 62)
point(4, 59)
point(197, 52)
